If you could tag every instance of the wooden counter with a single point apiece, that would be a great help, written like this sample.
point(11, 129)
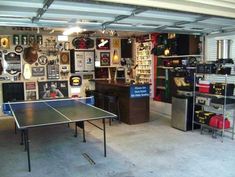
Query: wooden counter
point(133, 99)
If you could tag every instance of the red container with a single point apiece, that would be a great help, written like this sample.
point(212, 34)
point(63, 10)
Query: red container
point(217, 122)
point(204, 88)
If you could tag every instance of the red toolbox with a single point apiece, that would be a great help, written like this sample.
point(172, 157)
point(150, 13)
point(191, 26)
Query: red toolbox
point(204, 87)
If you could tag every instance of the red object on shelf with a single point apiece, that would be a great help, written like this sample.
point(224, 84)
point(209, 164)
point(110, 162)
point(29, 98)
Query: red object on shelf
point(217, 122)
point(204, 88)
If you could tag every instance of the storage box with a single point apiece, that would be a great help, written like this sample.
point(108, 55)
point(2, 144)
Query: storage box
point(204, 87)
point(219, 89)
point(203, 100)
point(203, 117)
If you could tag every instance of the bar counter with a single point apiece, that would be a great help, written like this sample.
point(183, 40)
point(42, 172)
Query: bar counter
point(133, 99)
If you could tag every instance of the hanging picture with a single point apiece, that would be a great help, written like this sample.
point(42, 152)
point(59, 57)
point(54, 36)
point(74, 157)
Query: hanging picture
point(64, 58)
point(104, 59)
point(16, 39)
point(32, 39)
point(83, 43)
point(87, 76)
point(30, 85)
point(102, 44)
point(75, 80)
point(4, 42)
point(38, 71)
point(12, 63)
point(31, 95)
point(116, 43)
point(24, 40)
point(52, 89)
point(89, 61)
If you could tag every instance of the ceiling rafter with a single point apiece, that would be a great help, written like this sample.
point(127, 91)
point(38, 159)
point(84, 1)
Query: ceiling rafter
point(121, 17)
point(42, 10)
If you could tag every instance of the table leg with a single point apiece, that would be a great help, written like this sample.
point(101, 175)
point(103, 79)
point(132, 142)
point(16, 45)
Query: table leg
point(22, 137)
point(83, 129)
point(26, 136)
point(76, 130)
point(104, 132)
point(15, 129)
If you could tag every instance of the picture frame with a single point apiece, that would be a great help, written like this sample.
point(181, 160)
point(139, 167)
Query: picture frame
point(103, 44)
point(104, 58)
point(38, 71)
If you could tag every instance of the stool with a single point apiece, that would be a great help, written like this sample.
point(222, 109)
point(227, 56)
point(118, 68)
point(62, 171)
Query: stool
point(113, 106)
point(99, 99)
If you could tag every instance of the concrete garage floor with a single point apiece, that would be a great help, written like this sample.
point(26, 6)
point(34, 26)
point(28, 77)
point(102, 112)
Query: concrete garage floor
point(152, 149)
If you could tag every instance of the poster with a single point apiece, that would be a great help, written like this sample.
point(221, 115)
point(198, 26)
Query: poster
point(104, 59)
point(38, 71)
point(79, 61)
point(30, 85)
point(89, 61)
point(53, 89)
point(31, 95)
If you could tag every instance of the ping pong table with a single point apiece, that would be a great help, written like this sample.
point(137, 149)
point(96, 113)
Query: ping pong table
point(42, 113)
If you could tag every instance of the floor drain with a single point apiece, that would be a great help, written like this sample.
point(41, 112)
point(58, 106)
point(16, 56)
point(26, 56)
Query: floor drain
point(88, 158)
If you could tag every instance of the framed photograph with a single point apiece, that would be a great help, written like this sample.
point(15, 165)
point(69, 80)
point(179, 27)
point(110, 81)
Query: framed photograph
point(31, 95)
point(38, 71)
point(104, 59)
point(30, 85)
point(89, 64)
point(53, 89)
point(102, 44)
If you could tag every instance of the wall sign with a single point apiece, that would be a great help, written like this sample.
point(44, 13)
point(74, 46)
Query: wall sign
point(104, 59)
point(13, 63)
point(102, 44)
point(30, 85)
point(139, 91)
point(38, 71)
point(5, 42)
point(75, 80)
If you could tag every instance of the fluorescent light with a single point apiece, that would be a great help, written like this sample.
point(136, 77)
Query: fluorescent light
point(62, 38)
point(72, 30)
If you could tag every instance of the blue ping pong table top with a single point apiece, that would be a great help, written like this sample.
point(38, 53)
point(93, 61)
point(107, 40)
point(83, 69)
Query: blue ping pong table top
point(50, 112)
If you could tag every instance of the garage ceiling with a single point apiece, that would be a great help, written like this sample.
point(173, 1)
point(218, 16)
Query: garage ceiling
point(184, 16)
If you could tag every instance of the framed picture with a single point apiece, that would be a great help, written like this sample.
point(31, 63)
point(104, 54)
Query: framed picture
point(75, 81)
point(52, 89)
point(64, 58)
point(31, 95)
point(102, 44)
point(5, 42)
point(116, 43)
point(104, 59)
point(30, 85)
point(89, 64)
point(38, 71)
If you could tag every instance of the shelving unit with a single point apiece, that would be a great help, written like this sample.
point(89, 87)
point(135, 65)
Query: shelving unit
point(222, 109)
point(164, 78)
point(144, 62)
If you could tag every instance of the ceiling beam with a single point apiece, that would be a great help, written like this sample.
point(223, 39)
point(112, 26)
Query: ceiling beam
point(181, 6)
point(121, 17)
point(42, 10)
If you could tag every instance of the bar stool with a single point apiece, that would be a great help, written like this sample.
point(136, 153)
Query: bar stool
point(113, 106)
point(99, 99)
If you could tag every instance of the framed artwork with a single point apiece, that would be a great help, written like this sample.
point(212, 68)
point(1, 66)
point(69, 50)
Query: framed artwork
point(12, 63)
point(31, 95)
point(52, 89)
point(64, 58)
point(102, 44)
point(88, 76)
point(5, 42)
point(38, 71)
point(116, 43)
point(89, 64)
point(104, 59)
point(30, 85)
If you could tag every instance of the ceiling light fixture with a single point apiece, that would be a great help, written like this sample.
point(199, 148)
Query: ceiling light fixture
point(72, 30)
